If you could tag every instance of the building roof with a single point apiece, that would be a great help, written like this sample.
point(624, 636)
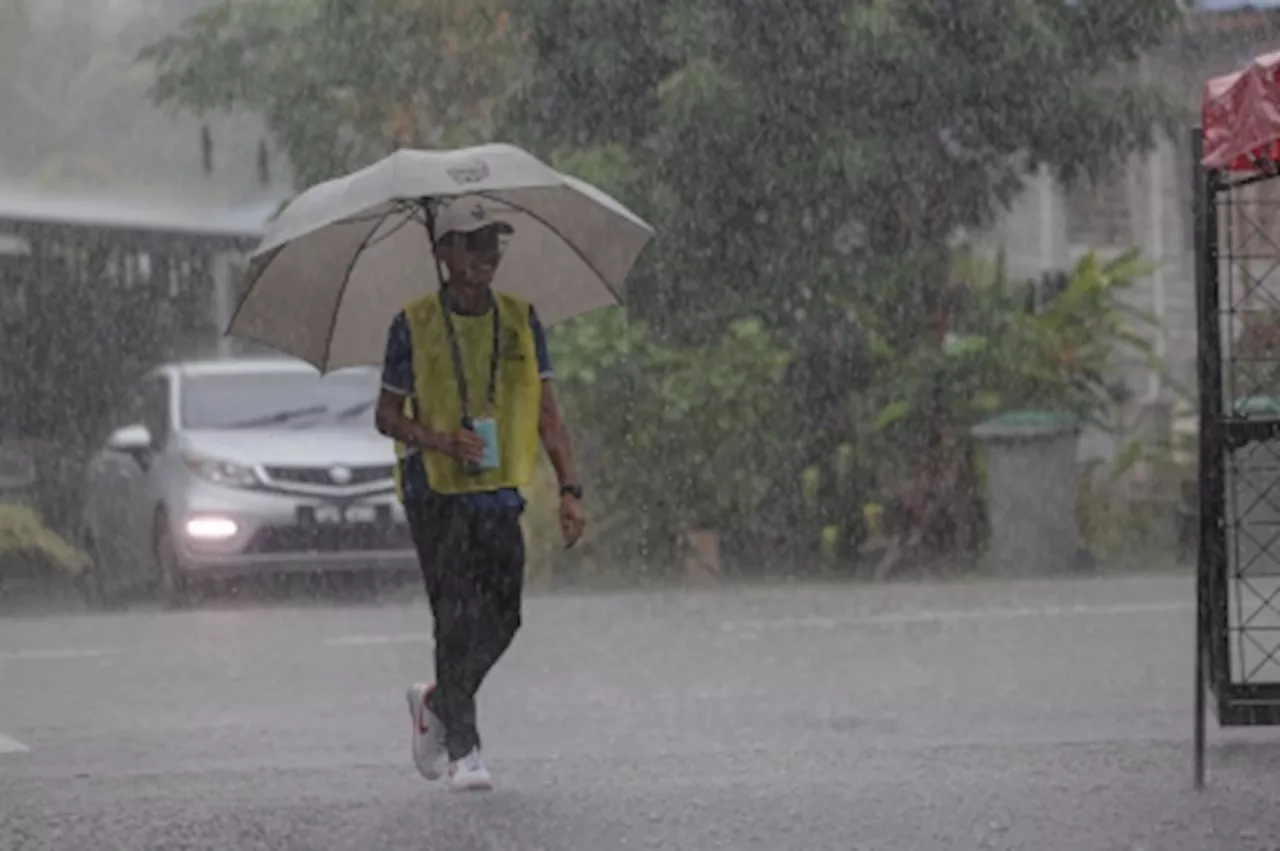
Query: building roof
point(240, 365)
point(253, 365)
point(1233, 5)
point(20, 206)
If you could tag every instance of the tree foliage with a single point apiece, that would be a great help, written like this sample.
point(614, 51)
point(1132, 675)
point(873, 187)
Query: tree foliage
point(816, 164)
point(1061, 356)
point(693, 435)
point(713, 435)
point(341, 83)
point(795, 149)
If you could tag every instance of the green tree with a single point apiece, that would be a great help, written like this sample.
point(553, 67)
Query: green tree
point(815, 163)
point(690, 435)
point(341, 83)
point(791, 149)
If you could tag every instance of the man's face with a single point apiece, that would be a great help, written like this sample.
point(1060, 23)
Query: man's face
point(472, 258)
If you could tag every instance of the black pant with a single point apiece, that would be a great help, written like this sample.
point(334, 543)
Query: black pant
point(473, 566)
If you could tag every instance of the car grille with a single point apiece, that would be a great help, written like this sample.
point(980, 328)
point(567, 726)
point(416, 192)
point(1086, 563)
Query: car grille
point(354, 537)
point(324, 476)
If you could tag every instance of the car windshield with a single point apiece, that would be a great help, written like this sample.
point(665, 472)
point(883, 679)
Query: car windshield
point(292, 399)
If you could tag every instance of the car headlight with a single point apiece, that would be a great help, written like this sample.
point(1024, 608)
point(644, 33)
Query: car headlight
point(226, 473)
point(209, 528)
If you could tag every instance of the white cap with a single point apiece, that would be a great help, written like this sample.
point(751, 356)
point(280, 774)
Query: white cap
point(464, 215)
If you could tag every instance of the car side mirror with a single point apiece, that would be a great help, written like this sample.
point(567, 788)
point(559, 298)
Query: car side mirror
point(132, 439)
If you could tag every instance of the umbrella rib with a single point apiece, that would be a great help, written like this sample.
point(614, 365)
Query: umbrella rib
point(393, 231)
point(275, 252)
point(346, 279)
point(531, 214)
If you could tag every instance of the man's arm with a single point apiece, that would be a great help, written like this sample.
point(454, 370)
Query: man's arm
point(390, 419)
point(551, 425)
point(555, 437)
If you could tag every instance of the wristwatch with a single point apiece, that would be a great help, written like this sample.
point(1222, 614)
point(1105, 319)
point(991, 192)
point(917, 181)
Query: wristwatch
point(574, 491)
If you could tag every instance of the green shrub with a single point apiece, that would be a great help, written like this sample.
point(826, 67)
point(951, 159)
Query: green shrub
point(673, 438)
point(24, 535)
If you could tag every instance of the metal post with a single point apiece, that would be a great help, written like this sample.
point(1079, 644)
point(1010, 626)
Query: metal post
point(1209, 369)
point(1199, 197)
point(1202, 709)
point(1155, 249)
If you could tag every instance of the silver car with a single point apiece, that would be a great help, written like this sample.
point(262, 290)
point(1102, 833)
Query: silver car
point(243, 468)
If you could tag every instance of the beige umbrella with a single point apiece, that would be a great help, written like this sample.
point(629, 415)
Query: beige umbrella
point(343, 257)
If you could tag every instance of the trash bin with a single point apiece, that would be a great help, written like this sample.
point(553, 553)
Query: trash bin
point(1031, 492)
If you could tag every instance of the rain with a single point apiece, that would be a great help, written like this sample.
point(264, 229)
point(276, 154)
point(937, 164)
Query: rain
point(826, 424)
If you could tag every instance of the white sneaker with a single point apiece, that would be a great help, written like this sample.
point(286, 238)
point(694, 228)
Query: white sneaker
point(469, 774)
point(429, 753)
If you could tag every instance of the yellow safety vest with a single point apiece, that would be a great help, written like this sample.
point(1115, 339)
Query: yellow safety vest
point(517, 396)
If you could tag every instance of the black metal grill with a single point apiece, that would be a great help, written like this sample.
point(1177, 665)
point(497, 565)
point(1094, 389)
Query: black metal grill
point(323, 476)
point(1237, 219)
point(352, 537)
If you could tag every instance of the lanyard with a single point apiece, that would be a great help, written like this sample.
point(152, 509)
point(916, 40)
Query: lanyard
point(458, 372)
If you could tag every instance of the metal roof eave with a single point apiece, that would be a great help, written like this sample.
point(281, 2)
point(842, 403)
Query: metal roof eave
point(246, 224)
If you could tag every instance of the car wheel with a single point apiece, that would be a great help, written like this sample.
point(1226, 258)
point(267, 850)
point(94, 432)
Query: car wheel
point(175, 589)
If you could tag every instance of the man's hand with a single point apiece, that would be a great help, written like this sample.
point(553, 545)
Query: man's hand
point(390, 419)
point(465, 445)
point(573, 520)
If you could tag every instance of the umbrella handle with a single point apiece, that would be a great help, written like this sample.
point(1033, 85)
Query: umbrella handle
point(429, 216)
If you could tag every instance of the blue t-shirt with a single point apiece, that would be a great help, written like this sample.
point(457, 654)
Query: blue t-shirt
point(397, 376)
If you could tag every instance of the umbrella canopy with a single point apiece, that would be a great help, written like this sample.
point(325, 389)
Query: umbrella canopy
point(344, 256)
point(1240, 116)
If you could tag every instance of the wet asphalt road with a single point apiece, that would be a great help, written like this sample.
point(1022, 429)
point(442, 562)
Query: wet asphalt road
point(988, 716)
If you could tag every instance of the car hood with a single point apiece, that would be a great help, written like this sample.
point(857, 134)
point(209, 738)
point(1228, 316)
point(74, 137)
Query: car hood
point(312, 447)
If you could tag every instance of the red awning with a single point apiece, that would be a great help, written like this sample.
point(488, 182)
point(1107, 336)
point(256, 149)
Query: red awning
point(1240, 117)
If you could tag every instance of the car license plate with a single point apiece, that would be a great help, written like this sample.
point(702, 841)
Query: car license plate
point(334, 515)
point(361, 514)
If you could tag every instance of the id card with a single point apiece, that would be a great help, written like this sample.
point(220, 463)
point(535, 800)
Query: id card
point(486, 428)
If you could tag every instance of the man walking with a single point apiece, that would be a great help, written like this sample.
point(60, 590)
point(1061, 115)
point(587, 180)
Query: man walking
point(466, 395)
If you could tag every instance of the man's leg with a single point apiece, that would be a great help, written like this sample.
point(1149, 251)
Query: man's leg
point(454, 592)
point(429, 524)
point(442, 534)
point(479, 613)
point(499, 543)
point(473, 566)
